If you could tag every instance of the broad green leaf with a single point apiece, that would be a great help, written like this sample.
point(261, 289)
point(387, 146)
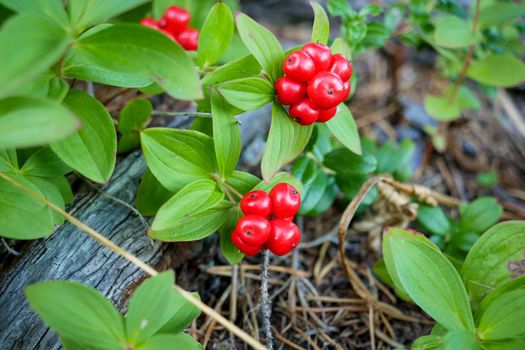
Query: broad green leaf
point(512, 285)
point(70, 344)
point(184, 313)
point(500, 12)
point(63, 187)
point(50, 192)
point(441, 108)
point(494, 259)
point(427, 342)
point(429, 279)
point(178, 157)
point(433, 219)
point(510, 344)
point(21, 215)
point(453, 32)
point(242, 182)
point(216, 34)
point(197, 201)
point(171, 341)
point(461, 339)
point(130, 48)
point(278, 178)
point(344, 129)
point(78, 312)
point(150, 307)
point(9, 161)
point(134, 115)
point(228, 249)
point(480, 215)
point(503, 318)
point(28, 50)
point(128, 142)
point(85, 14)
point(286, 141)
point(226, 136)
point(262, 44)
point(52, 9)
point(92, 150)
point(340, 45)
point(44, 163)
point(340, 8)
point(345, 162)
point(503, 70)
point(321, 28)
point(151, 195)
point(247, 93)
point(29, 121)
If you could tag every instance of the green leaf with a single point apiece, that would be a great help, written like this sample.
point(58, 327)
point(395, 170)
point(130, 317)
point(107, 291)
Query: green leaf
point(345, 162)
point(85, 14)
point(247, 93)
point(340, 45)
point(226, 136)
point(262, 44)
point(78, 312)
point(193, 213)
point(494, 259)
point(503, 70)
point(278, 178)
point(321, 28)
point(178, 157)
point(433, 219)
point(453, 32)
point(92, 150)
point(499, 13)
point(150, 307)
point(429, 279)
point(441, 108)
point(228, 249)
point(479, 215)
point(130, 48)
point(28, 50)
point(9, 161)
point(171, 341)
point(29, 121)
point(216, 34)
point(50, 192)
point(184, 313)
point(344, 129)
point(22, 216)
point(242, 182)
point(128, 142)
point(510, 344)
point(135, 115)
point(503, 318)
point(44, 163)
point(340, 8)
point(52, 9)
point(286, 141)
point(512, 285)
point(461, 339)
point(151, 195)
point(427, 342)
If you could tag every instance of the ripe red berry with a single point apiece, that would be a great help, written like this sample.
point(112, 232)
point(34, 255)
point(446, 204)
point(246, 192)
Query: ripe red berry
point(189, 39)
point(340, 66)
point(175, 19)
point(253, 230)
point(149, 22)
point(247, 249)
point(256, 202)
point(320, 54)
point(304, 112)
point(326, 114)
point(284, 238)
point(326, 90)
point(346, 92)
point(286, 200)
point(299, 65)
point(289, 90)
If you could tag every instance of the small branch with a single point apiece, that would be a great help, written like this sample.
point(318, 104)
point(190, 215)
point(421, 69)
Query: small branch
point(9, 249)
point(156, 113)
point(266, 311)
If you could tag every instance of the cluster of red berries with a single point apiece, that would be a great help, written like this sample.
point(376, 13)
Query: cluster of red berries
point(175, 24)
point(268, 221)
point(315, 82)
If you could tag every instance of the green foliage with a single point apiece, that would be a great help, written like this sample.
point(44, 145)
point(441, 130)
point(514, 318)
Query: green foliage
point(217, 33)
point(344, 129)
point(321, 28)
point(247, 93)
point(133, 118)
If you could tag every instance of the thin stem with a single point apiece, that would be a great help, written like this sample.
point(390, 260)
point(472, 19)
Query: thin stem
point(266, 311)
point(139, 263)
point(226, 188)
point(233, 190)
point(156, 113)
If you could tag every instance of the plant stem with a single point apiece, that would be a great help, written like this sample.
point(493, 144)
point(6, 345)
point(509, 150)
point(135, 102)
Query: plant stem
point(266, 311)
point(156, 113)
point(139, 263)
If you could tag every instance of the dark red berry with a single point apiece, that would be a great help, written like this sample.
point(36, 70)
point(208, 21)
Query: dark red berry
point(326, 90)
point(286, 200)
point(256, 202)
point(176, 19)
point(247, 249)
point(299, 65)
point(284, 238)
point(304, 112)
point(320, 54)
point(326, 114)
point(340, 66)
point(149, 22)
point(189, 39)
point(289, 90)
point(253, 230)
point(346, 92)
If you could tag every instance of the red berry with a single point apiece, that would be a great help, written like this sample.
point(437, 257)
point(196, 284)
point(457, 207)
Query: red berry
point(253, 230)
point(189, 39)
point(176, 19)
point(256, 202)
point(346, 92)
point(149, 22)
point(326, 114)
point(286, 201)
point(320, 54)
point(340, 66)
point(247, 249)
point(284, 238)
point(289, 90)
point(304, 112)
point(299, 65)
point(326, 90)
